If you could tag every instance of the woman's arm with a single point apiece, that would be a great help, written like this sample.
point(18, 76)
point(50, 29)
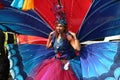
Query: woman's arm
point(49, 41)
point(74, 41)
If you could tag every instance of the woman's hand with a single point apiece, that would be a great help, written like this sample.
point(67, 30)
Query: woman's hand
point(73, 34)
point(74, 41)
point(49, 41)
point(51, 33)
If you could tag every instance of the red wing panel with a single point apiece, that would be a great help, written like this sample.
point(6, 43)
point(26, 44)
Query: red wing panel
point(75, 11)
point(24, 39)
point(45, 9)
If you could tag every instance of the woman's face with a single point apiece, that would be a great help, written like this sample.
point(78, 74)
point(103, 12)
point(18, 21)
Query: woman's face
point(60, 28)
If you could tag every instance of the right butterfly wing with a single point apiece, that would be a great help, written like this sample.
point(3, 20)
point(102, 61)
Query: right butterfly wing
point(100, 60)
point(101, 21)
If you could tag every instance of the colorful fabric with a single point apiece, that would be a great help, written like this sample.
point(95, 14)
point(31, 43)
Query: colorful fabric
point(48, 67)
point(28, 4)
point(96, 61)
point(17, 4)
point(23, 4)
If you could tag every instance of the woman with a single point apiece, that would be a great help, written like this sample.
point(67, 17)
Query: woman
point(62, 32)
point(65, 45)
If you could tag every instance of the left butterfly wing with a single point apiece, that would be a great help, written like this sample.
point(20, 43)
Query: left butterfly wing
point(25, 39)
point(101, 21)
point(23, 22)
point(24, 58)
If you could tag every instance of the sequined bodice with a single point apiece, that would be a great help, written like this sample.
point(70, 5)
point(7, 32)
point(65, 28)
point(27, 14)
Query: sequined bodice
point(64, 48)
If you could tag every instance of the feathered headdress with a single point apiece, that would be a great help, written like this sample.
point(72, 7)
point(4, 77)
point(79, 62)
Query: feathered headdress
point(60, 14)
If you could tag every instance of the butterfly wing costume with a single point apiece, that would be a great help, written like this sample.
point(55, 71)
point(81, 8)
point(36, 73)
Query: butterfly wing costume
point(96, 19)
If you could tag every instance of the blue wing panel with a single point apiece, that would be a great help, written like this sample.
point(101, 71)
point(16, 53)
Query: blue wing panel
point(76, 66)
point(24, 58)
point(17, 4)
point(102, 20)
point(23, 22)
point(100, 61)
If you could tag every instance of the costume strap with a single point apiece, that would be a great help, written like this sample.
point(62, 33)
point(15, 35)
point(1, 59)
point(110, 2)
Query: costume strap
point(6, 40)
